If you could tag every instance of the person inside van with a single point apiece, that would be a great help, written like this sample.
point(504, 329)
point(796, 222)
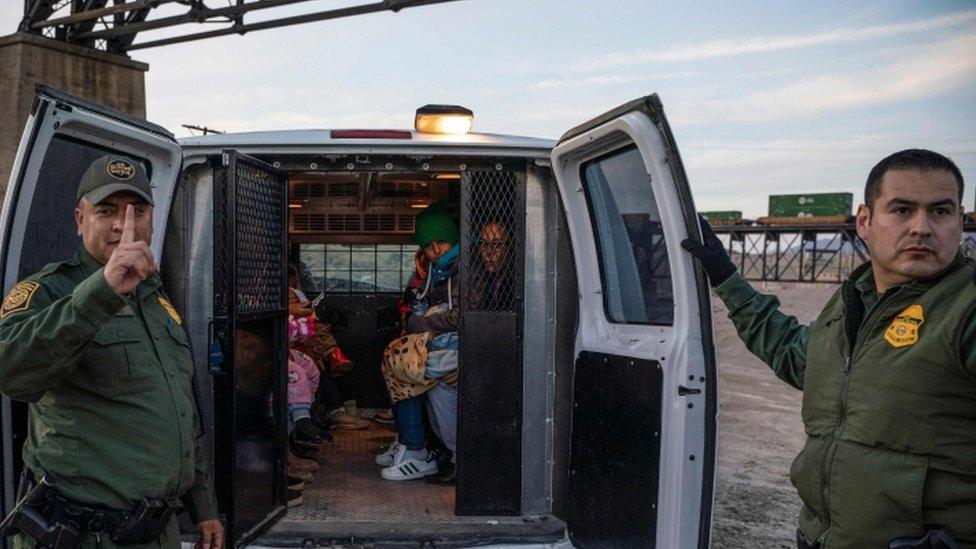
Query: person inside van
point(492, 286)
point(423, 364)
point(322, 347)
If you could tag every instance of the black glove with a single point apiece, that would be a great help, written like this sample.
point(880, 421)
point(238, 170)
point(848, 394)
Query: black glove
point(711, 254)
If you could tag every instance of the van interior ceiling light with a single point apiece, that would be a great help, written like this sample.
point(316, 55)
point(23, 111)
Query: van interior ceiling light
point(445, 119)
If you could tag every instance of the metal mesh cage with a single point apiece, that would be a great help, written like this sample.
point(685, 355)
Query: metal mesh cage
point(261, 223)
point(495, 238)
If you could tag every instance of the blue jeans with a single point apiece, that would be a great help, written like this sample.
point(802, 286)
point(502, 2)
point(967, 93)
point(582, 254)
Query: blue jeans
point(409, 416)
point(442, 404)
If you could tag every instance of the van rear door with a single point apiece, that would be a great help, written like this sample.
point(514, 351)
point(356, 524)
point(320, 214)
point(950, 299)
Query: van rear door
point(644, 388)
point(250, 310)
point(63, 135)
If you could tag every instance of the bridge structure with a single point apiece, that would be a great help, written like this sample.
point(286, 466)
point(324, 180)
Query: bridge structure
point(114, 25)
point(805, 253)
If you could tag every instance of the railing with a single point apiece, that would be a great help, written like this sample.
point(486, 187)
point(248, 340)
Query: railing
point(805, 253)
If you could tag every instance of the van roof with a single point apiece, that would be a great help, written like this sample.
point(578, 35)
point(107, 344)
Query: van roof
point(323, 138)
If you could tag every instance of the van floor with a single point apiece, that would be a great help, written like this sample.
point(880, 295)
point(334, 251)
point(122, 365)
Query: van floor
point(348, 502)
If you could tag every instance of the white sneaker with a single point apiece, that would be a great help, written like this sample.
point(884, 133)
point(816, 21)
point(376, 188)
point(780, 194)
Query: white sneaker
point(405, 468)
point(387, 457)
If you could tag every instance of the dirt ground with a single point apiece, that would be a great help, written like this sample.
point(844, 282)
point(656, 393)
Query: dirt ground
point(759, 432)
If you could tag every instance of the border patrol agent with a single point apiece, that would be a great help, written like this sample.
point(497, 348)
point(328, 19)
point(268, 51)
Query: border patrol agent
point(99, 352)
point(888, 369)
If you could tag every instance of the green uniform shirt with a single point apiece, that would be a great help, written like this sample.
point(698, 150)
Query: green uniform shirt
point(111, 415)
point(781, 342)
point(889, 404)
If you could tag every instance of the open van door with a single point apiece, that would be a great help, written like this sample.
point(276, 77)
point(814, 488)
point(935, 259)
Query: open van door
point(63, 135)
point(644, 389)
point(250, 280)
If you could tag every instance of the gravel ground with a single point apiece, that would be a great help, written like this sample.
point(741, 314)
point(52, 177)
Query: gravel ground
point(760, 431)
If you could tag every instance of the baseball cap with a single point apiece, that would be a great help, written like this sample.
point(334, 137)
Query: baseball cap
point(111, 174)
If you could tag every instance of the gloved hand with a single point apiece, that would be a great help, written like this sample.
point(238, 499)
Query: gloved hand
point(711, 255)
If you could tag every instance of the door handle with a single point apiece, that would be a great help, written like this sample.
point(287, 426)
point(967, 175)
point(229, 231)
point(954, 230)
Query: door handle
point(215, 353)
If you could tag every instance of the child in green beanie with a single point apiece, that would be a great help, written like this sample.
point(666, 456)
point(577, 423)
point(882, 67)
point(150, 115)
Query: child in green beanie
point(433, 303)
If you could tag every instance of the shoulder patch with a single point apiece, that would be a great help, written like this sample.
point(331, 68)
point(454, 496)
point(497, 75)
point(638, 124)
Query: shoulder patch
point(171, 310)
point(903, 330)
point(19, 298)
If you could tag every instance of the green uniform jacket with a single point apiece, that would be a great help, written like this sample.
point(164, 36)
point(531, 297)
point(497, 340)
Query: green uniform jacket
point(111, 416)
point(889, 404)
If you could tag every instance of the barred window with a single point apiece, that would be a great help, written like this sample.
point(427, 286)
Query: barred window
point(359, 268)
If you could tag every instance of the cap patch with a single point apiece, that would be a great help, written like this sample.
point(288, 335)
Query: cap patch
point(19, 298)
point(120, 169)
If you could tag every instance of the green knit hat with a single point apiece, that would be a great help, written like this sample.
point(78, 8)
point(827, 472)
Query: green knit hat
point(435, 223)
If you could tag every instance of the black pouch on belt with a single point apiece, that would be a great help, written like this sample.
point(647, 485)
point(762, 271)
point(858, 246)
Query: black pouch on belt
point(147, 522)
point(802, 543)
point(937, 537)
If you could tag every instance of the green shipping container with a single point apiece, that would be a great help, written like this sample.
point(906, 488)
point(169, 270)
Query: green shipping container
point(810, 205)
point(725, 214)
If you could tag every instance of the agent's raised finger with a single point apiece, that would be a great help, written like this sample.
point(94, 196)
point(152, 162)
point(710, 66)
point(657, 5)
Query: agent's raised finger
point(129, 227)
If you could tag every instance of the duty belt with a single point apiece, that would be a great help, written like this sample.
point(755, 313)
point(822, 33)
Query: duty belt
point(54, 521)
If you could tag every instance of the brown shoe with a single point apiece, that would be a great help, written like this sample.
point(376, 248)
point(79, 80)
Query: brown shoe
point(295, 483)
point(343, 420)
point(294, 497)
point(306, 476)
point(301, 463)
point(384, 416)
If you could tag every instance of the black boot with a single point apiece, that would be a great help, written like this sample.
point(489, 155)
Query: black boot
point(446, 476)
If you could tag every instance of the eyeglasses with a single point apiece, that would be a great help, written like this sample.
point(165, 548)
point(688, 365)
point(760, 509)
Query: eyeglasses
point(493, 244)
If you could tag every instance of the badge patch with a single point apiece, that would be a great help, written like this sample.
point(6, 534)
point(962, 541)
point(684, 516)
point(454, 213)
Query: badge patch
point(903, 330)
point(19, 298)
point(171, 310)
point(120, 169)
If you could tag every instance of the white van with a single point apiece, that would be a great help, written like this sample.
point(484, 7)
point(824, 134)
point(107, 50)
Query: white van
point(587, 396)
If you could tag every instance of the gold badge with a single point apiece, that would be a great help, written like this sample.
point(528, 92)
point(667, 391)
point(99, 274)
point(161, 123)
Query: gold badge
point(903, 330)
point(19, 298)
point(120, 169)
point(171, 310)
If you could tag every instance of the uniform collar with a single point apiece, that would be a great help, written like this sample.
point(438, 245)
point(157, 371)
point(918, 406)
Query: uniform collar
point(863, 276)
point(90, 266)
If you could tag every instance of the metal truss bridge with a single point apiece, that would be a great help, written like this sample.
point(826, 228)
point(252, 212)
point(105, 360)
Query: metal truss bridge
point(805, 253)
point(112, 25)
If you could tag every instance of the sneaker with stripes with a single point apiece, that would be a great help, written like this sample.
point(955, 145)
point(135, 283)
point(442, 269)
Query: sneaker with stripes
point(409, 468)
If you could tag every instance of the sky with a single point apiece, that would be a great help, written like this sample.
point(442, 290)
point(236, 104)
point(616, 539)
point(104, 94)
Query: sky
point(763, 97)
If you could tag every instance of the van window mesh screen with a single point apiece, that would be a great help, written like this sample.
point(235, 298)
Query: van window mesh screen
point(221, 267)
point(494, 241)
point(261, 225)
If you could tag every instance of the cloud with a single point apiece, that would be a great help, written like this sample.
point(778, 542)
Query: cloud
point(763, 44)
point(930, 71)
point(607, 80)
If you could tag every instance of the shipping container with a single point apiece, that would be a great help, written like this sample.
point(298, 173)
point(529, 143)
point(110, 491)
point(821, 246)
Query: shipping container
point(810, 205)
point(724, 214)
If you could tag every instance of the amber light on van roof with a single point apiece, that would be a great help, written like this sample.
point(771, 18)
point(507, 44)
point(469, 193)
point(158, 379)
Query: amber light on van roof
point(444, 119)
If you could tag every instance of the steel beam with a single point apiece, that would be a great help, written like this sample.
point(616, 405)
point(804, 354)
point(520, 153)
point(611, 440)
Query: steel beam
point(96, 13)
point(126, 18)
point(283, 22)
point(794, 253)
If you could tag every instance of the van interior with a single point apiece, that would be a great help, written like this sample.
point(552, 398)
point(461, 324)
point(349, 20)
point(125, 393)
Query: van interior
point(351, 233)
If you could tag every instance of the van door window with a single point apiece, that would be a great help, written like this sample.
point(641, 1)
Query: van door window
point(50, 231)
point(630, 239)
